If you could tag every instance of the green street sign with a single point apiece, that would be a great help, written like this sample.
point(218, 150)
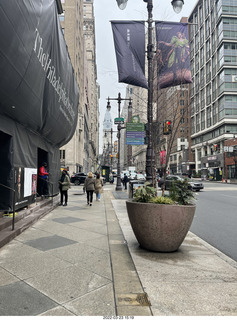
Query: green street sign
point(118, 120)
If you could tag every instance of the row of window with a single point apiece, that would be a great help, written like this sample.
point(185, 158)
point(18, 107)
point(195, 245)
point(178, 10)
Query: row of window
point(215, 134)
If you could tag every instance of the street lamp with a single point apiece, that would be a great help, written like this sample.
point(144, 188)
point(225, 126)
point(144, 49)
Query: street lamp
point(122, 4)
point(177, 5)
point(150, 157)
point(119, 99)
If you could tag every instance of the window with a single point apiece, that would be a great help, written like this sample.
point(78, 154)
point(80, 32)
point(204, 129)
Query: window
point(203, 120)
point(200, 14)
point(62, 16)
point(208, 117)
point(62, 155)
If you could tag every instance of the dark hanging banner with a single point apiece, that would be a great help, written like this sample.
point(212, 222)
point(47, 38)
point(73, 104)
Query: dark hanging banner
point(129, 42)
point(37, 84)
point(173, 55)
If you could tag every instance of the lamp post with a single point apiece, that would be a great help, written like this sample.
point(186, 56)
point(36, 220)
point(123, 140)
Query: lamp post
point(150, 158)
point(119, 99)
point(111, 137)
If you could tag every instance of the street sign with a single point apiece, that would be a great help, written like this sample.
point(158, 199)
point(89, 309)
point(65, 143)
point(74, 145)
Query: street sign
point(135, 133)
point(118, 120)
point(228, 149)
point(135, 126)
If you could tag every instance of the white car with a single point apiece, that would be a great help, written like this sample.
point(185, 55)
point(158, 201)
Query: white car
point(132, 176)
point(140, 177)
point(122, 174)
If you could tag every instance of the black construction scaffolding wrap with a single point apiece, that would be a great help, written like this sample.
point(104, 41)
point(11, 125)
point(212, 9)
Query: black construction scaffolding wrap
point(39, 95)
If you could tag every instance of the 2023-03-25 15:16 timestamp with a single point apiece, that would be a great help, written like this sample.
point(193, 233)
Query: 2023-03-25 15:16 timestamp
point(118, 317)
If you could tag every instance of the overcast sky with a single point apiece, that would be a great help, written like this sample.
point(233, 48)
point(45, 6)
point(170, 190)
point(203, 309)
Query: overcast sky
point(107, 10)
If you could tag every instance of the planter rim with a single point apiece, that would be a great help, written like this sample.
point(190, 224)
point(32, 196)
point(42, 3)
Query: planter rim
point(162, 204)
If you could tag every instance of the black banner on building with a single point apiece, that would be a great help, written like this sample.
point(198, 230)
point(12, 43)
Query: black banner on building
point(37, 84)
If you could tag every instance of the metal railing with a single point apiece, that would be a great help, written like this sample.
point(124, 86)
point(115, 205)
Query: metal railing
point(13, 206)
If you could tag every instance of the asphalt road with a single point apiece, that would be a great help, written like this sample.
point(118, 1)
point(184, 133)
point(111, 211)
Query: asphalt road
point(215, 219)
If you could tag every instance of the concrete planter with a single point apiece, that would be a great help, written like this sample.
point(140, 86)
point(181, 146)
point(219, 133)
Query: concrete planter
point(160, 227)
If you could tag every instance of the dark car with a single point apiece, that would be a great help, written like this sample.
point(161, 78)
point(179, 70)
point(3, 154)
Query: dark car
point(170, 179)
point(78, 178)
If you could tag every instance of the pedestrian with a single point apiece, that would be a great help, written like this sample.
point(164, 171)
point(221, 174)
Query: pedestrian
point(89, 187)
point(98, 186)
point(125, 181)
point(64, 185)
point(111, 178)
point(43, 180)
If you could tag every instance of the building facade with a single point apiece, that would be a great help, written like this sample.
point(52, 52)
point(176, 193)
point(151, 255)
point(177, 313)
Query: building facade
point(91, 114)
point(213, 53)
point(77, 21)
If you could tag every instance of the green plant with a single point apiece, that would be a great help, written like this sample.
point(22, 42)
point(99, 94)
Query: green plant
point(162, 200)
point(145, 193)
point(181, 192)
point(148, 194)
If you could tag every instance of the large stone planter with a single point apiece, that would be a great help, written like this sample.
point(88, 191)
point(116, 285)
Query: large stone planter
point(160, 227)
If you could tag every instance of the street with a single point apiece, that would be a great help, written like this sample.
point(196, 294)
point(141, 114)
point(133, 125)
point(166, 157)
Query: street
point(216, 217)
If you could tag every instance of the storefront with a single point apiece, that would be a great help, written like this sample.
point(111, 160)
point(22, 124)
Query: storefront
point(212, 167)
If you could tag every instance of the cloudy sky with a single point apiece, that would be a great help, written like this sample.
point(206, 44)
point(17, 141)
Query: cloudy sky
point(107, 10)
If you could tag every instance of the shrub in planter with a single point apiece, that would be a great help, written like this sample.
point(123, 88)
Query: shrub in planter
point(161, 223)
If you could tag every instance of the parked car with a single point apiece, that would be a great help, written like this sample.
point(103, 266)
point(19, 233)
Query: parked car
point(170, 179)
point(78, 178)
point(132, 176)
point(140, 176)
point(123, 172)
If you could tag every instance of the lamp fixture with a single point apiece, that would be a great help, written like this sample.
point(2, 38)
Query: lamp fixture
point(122, 4)
point(177, 5)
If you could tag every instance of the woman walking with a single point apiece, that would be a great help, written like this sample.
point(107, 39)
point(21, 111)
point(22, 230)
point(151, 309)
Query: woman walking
point(89, 187)
point(64, 185)
point(98, 186)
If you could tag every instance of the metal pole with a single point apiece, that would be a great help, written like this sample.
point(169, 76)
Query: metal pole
point(119, 99)
point(129, 148)
point(118, 184)
point(150, 159)
point(111, 156)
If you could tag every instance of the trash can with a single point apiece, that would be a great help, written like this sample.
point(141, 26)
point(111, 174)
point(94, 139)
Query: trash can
point(133, 185)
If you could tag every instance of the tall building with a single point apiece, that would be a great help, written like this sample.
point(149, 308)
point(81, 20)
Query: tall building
point(107, 138)
point(213, 53)
point(77, 21)
point(72, 154)
point(172, 105)
point(135, 155)
point(91, 114)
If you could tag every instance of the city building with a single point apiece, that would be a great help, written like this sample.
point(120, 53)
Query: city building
point(77, 21)
point(172, 109)
point(91, 114)
point(72, 154)
point(107, 160)
point(213, 53)
point(134, 155)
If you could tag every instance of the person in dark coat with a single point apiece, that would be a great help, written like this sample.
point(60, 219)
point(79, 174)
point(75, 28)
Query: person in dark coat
point(64, 185)
point(125, 181)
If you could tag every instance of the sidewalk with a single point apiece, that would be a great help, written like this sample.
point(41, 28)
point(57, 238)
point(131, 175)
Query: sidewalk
point(84, 261)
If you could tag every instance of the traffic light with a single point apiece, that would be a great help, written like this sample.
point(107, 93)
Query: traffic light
point(167, 127)
point(215, 147)
point(111, 156)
